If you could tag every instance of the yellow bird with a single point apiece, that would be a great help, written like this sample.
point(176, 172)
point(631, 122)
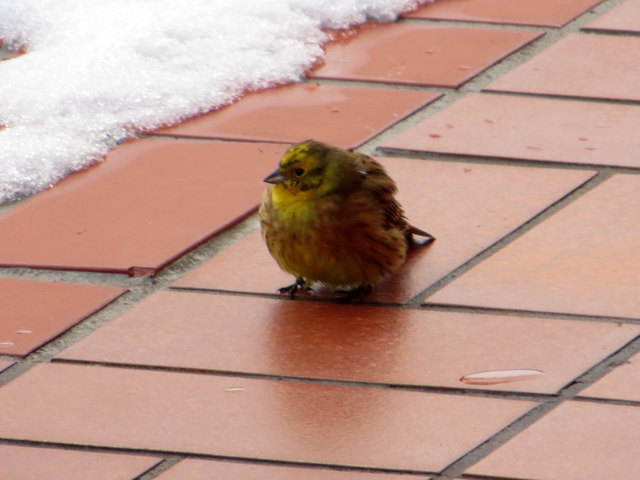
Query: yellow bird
point(329, 216)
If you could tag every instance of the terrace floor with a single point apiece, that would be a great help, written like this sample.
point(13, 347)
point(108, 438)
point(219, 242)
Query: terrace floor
point(141, 338)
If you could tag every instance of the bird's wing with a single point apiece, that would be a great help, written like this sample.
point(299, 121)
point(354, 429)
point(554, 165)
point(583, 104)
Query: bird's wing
point(382, 188)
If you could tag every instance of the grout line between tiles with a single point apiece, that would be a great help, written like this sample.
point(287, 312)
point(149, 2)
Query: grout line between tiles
point(441, 22)
point(140, 288)
point(608, 401)
point(570, 98)
point(161, 467)
point(174, 457)
point(476, 84)
point(471, 309)
point(609, 32)
point(136, 292)
point(484, 393)
point(504, 161)
point(441, 307)
point(513, 235)
point(567, 393)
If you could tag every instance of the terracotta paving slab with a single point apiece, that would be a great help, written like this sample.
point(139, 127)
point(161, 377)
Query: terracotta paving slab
point(348, 342)
point(624, 17)
point(455, 202)
point(576, 441)
point(243, 417)
point(147, 203)
point(340, 115)
point(585, 259)
point(191, 469)
point(599, 66)
point(516, 127)
point(35, 312)
point(623, 383)
point(419, 54)
point(549, 13)
point(30, 463)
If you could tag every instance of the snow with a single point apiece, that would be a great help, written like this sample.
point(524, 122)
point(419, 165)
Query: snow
point(96, 72)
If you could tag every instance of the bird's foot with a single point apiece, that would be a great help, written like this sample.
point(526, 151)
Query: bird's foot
point(299, 284)
point(354, 294)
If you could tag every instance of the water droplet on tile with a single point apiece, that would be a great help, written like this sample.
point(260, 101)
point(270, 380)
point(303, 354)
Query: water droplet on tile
point(6, 343)
point(448, 125)
point(467, 169)
point(500, 376)
point(590, 148)
point(464, 67)
point(435, 135)
point(533, 147)
point(429, 52)
point(234, 389)
point(488, 120)
point(24, 332)
point(335, 109)
point(583, 139)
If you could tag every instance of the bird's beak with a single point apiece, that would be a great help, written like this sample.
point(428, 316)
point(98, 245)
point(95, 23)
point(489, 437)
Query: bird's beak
point(275, 177)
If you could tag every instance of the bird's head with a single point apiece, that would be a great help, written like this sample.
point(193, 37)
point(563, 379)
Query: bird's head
point(309, 167)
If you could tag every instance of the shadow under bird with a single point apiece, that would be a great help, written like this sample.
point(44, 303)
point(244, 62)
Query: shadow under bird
point(330, 216)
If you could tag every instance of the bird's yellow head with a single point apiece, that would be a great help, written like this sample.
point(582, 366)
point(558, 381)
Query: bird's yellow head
point(305, 167)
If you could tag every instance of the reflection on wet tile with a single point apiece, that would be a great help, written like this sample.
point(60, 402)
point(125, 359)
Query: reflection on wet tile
point(419, 54)
point(345, 116)
point(348, 342)
point(147, 203)
point(270, 419)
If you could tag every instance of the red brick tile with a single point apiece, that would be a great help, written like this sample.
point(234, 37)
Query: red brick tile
point(529, 128)
point(622, 383)
point(624, 17)
point(147, 203)
point(340, 115)
point(242, 417)
point(549, 13)
point(576, 441)
point(419, 55)
point(347, 342)
point(598, 66)
point(35, 312)
point(30, 463)
point(455, 202)
point(585, 259)
point(192, 469)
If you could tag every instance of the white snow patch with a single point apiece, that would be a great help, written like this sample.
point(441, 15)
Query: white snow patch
point(95, 72)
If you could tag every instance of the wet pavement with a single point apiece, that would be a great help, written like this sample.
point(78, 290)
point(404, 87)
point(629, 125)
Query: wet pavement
point(141, 336)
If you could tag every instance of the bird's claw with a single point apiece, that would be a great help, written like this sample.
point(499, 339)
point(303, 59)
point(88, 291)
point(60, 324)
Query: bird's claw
point(299, 284)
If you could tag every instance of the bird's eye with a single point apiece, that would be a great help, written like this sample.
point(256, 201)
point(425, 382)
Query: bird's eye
point(298, 171)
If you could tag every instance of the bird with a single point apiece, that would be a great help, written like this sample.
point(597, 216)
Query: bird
point(329, 216)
